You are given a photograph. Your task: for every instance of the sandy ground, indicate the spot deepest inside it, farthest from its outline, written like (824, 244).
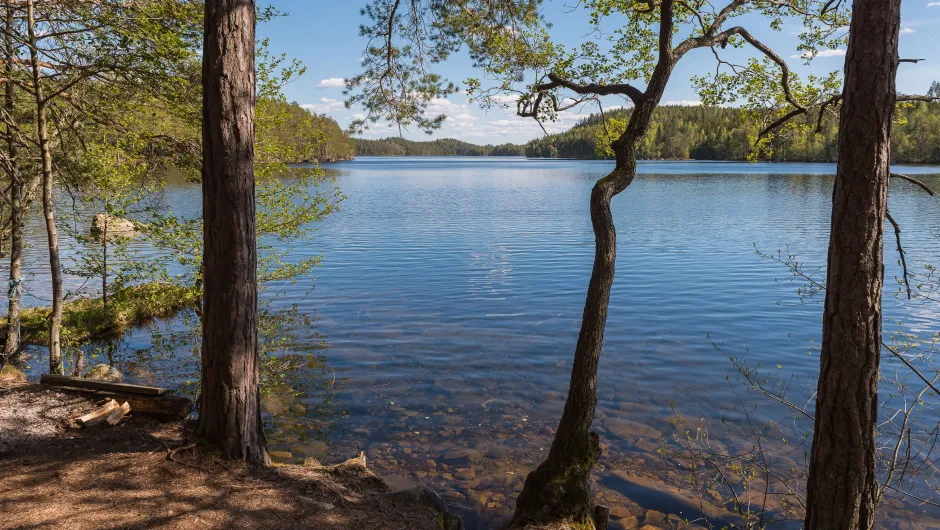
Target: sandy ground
(140, 474)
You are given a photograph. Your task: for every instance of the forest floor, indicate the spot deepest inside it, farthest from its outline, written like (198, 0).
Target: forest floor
(144, 474)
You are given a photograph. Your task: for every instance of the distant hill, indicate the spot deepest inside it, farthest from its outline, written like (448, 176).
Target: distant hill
(393, 146)
(301, 136)
(710, 133)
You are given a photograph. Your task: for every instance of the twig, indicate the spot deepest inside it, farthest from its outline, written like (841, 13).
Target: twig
(172, 453)
(911, 366)
(897, 236)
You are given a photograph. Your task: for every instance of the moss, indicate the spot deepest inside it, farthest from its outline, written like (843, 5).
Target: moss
(87, 319)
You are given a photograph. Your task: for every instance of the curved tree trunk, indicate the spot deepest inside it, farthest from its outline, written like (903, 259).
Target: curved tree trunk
(842, 487)
(55, 318)
(229, 406)
(559, 489)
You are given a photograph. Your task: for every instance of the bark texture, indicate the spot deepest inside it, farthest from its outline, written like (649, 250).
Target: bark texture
(18, 201)
(229, 406)
(842, 487)
(56, 365)
(559, 489)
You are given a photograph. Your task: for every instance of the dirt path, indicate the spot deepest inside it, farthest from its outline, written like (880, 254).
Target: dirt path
(139, 475)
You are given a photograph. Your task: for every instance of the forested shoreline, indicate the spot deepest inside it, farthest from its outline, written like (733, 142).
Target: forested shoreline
(691, 133)
(442, 147)
(721, 133)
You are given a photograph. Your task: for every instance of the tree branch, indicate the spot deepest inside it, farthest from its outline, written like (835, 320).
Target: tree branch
(625, 89)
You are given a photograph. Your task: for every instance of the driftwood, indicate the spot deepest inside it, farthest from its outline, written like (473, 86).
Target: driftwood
(80, 382)
(118, 414)
(161, 405)
(97, 415)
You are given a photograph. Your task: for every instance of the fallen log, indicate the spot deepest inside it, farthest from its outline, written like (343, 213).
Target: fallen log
(80, 382)
(118, 414)
(162, 407)
(96, 416)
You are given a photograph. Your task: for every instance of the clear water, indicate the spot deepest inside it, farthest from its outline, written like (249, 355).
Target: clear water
(450, 298)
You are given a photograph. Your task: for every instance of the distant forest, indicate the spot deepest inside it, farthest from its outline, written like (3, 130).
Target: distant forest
(711, 133)
(444, 147)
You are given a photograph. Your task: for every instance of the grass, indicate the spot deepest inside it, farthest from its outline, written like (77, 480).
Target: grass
(10, 374)
(87, 319)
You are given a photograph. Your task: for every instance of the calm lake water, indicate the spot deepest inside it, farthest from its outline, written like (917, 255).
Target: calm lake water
(449, 301)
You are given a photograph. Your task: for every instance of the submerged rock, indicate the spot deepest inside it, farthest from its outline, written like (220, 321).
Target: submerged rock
(461, 455)
(103, 372)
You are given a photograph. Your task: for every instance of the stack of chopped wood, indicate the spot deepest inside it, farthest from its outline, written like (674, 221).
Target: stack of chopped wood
(110, 414)
(149, 401)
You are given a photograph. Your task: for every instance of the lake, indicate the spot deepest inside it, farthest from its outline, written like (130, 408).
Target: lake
(449, 300)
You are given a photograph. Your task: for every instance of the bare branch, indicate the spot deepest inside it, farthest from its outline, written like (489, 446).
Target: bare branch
(897, 235)
(914, 181)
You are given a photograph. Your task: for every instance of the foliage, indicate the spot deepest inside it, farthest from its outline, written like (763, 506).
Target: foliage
(443, 147)
(290, 201)
(113, 184)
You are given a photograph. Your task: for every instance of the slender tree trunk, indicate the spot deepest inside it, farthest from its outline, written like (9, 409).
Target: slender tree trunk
(104, 262)
(229, 406)
(55, 318)
(842, 487)
(558, 490)
(11, 345)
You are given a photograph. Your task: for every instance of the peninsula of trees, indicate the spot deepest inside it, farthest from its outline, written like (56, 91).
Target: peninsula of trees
(443, 147)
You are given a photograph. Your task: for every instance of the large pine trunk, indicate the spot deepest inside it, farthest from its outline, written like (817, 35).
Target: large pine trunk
(842, 487)
(56, 365)
(229, 405)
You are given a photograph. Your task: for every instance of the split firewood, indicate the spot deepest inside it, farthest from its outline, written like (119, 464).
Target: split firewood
(118, 414)
(96, 416)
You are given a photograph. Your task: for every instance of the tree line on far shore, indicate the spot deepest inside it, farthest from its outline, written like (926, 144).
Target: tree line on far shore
(722, 133)
(691, 133)
(443, 147)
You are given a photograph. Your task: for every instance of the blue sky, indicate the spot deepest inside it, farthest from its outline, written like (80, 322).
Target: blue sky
(323, 34)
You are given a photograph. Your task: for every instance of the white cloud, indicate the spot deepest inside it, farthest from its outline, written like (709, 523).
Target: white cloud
(324, 106)
(505, 99)
(359, 116)
(933, 4)
(822, 53)
(908, 31)
(465, 116)
(333, 82)
(683, 103)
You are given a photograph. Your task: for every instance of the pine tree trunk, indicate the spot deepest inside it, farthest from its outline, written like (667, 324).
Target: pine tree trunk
(842, 487)
(11, 345)
(229, 406)
(55, 318)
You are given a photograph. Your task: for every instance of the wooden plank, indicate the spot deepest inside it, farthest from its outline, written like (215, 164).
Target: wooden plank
(80, 382)
(118, 414)
(97, 415)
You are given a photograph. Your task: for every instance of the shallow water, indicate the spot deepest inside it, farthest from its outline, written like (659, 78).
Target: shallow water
(450, 298)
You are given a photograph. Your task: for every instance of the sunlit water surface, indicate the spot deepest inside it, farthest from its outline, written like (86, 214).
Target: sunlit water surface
(450, 296)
